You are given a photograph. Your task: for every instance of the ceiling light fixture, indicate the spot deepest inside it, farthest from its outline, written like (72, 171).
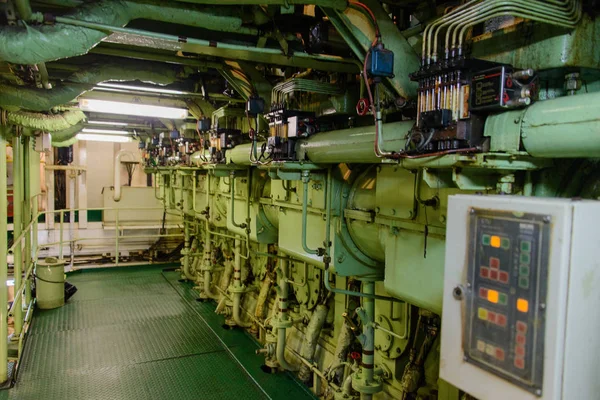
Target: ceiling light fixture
(139, 88)
(103, 138)
(140, 110)
(105, 131)
(108, 123)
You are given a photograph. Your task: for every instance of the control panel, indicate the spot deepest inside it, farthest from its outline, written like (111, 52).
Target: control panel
(507, 272)
(521, 293)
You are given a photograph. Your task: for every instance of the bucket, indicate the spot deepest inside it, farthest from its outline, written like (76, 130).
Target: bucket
(50, 283)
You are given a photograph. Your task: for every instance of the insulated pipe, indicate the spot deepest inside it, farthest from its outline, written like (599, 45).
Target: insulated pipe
(45, 122)
(3, 263)
(284, 266)
(117, 173)
(311, 339)
(368, 348)
(36, 44)
(336, 4)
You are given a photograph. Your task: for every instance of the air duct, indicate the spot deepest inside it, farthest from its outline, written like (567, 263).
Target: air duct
(35, 44)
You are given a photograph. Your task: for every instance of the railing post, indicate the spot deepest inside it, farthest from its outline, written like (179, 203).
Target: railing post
(60, 246)
(17, 229)
(3, 266)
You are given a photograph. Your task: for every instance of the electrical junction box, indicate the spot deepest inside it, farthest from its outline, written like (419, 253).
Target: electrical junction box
(381, 62)
(521, 297)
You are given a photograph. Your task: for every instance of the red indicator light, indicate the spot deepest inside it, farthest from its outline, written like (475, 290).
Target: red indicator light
(501, 319)
(500, 354)
(483, 292)
(503, 276)
(494, 274)
(520, 351)
(484, 272)
(519, 363)
(520, 339)
(521, 327)
(494, 262)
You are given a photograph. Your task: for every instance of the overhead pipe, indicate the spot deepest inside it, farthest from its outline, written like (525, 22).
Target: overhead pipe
(45, 122)
(335, 4)
(36, 44)
(117, 173)
(13, 96)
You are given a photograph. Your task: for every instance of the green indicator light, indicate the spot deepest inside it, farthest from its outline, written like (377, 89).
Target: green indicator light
(485, 239)
(524, 282)
(525, 246)
(525, 259)
(505, 243)
(524, 270)
(503, 299)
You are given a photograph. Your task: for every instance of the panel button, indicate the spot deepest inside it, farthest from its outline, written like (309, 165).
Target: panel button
(505, 243)
(490, 350)
(503, 299)
(519, 363)
(492, 296)
(501, 320)
(481, 346)
(499, 354)
(522, 327)
(521, 339)
(485, 239)
(494, 274)
(524, 270)
(483, 292)
(503, 276)
(524, 282)
(525, 246)
(491, 317)
(482, 313)
(494, 262)
(495, 241)
(522, 305)
(484, 272)
(520, 351)
(525, 258)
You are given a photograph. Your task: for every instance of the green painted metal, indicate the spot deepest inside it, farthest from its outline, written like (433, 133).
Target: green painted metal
(3, 261)
(337, 4)
(50, 283)
(45, 122)
(18, 194)
(33, 45)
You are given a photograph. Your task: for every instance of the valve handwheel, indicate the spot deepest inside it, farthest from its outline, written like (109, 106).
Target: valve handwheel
(363, 106)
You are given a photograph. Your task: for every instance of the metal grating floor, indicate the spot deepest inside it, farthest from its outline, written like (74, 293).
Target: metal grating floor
(137, 333)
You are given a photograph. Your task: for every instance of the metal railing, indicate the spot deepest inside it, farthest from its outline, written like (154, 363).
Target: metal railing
(26, 249)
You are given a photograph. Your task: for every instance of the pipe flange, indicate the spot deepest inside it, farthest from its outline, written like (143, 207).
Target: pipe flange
(279, 324)
(241, 289)
(362, 386)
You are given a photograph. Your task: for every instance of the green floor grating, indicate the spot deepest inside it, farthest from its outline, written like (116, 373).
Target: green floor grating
(137, 333)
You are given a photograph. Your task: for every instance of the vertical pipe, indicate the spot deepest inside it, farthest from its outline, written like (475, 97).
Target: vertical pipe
(186, 247)
(17, 223)
(117, 233)
(3, 265)
(60, 233)
(27, 201)
(368, 351)
(283, 314)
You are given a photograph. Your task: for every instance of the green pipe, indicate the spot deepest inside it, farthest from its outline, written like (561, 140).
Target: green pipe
(368, 348)
(148, 56)
(336, 4)
(274, 55)
(27, 217)
(45, 122)
(36, 44)
(232, 202)
(3, 264)
(17, 227)
(24, 9)
(326, 277)
(305, 180)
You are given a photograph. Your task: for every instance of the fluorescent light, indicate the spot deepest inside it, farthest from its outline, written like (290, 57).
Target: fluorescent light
(107, 123)
(103, 138)
(140, 110)
(140, 88)
(104, 131)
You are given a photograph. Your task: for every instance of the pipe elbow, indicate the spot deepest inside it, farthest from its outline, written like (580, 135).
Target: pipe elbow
(117, 176)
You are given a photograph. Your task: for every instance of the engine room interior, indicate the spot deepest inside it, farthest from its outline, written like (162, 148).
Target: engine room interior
(299, 199)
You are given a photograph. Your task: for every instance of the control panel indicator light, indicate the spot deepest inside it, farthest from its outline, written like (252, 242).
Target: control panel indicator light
(520, 351)
(503, 299)
(501, 320)
(521, 327)
(505, 243)
(524, 270)
(482, 313)
(484, 272)
(499, 354)
(481, 346)
(520, 339)
(519, 363)
(524, 282)
(492, 296)
(494, 263)
(494, 274)
(491, 317)
(490, 350)
(495, 241)
(525, 258)
(525, 246)
(522, 305)
(503, 276)
(485, 239)
(483, 292)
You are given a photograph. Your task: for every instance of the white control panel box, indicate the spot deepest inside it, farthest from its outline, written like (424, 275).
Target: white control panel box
(521, 316)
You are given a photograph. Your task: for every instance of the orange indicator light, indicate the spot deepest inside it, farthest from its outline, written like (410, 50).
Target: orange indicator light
(522, 305)
(495, 241)
(492, 296)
